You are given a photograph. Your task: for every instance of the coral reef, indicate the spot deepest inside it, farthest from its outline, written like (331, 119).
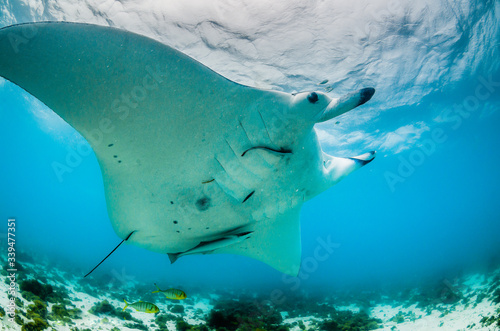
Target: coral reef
(496, 296)
(182, 325)
(177, 309)
(402, 317)
(346, 320)
(59, 312)
(36, 325)
(398, 318)
(162, 319)
(105, 308)
(494, 319)
(138, 326)
(37, 310)
(233, 315)
(33, 289)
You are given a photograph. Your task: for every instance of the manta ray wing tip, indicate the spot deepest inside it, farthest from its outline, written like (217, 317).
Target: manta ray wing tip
(366, 158)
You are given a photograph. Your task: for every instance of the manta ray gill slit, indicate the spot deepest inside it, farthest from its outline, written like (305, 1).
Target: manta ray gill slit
(248, 196)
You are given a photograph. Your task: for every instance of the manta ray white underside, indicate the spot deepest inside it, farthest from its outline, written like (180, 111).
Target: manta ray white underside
(192, 162)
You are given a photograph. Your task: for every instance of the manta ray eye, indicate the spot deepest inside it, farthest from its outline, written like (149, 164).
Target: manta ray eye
(312, 97)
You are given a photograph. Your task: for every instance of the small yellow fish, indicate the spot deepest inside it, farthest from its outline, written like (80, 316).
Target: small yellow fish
(142, 306)
(172, 293)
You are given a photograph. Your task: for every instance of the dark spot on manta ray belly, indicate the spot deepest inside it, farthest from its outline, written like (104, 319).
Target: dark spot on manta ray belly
(175, 222)
(203, 203)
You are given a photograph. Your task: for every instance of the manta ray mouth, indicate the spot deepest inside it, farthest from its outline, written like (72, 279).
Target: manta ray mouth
(281, 151)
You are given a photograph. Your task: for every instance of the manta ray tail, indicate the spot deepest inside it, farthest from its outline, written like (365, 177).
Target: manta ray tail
(109, 255)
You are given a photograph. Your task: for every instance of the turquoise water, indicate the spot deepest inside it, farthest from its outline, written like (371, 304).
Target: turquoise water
(425, 211)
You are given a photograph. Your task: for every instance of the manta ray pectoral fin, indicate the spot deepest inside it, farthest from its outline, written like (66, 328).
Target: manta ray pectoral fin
(342, 105)
(276, 242)
(173, 257)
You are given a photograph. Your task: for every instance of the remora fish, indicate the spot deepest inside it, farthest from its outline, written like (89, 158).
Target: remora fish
(207, 247)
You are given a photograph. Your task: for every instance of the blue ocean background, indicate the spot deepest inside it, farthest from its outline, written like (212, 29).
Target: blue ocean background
(426, 210)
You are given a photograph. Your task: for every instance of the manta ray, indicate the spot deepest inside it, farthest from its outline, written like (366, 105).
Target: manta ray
(191, 162)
